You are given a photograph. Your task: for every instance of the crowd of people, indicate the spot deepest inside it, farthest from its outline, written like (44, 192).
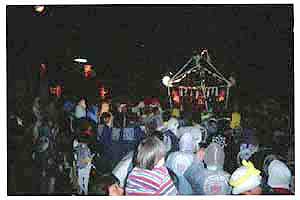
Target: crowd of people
(110, 148)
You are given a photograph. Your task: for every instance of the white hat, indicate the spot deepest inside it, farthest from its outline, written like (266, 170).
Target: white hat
(279, 175)
(245, 178)
(173, 125)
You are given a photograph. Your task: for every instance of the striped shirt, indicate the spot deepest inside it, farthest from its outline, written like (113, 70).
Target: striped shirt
(150, 182)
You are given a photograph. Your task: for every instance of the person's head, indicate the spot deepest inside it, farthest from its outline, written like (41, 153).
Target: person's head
(214, 156)
(106, 117)
(246, 180)
(107, 184)
(150, 153)
(37, 101)
(156, 110)
(82, 102)
(201, 151)
(122, 108)
(85, 131)
(173, 125)
(151, 127)
(175, 113)
(279, 175)
(105, 106)
(158, 134)
(186, 143)
(196, 117)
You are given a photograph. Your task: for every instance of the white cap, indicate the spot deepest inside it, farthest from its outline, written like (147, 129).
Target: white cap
(173, 125)
(245, 178)
(279, 175)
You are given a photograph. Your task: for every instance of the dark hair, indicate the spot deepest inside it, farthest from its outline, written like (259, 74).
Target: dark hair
(155, 109)
(106, 115)
(196, 117)
(150, 151)
(151, 127)
(158, 134)
(203, 145)
(102, 184)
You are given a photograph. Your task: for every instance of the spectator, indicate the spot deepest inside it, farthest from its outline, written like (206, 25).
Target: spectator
(180, 161)
(246, 180)
(171, 140)
(121, 117)
(213, 180)
(149, 176)
(123, 168)
(84, 159)
(36, 108)
(80, 110)
(107, 184)
(279, 178)
(158, 117)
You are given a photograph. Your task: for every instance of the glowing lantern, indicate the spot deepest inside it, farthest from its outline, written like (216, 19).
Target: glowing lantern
(57, 91)
(200, 100)
(176, 97)
(102, 92)
(87, 71)
(39, 9)
(221, 96)
(43, 70)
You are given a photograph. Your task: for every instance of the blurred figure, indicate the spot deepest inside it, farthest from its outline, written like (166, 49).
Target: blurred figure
(36, 108)
(107, 185)
(121, 117)
(84, 158)
(80, 110)
(246, 180)
(157, 116)
(180, 161)
(122, 169)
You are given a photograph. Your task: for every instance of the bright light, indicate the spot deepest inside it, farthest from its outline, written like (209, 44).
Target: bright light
(166, 81)
(80, 60)
(39, 8)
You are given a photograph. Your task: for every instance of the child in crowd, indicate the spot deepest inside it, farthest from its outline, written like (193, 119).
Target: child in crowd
(149, 176)
(83, 157)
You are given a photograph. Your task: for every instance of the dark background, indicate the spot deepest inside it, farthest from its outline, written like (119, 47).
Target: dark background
(132, 47)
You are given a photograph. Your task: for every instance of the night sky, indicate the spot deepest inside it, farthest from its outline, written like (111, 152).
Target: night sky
(132, 47)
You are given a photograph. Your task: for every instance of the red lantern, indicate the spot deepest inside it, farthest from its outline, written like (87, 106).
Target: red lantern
(43, 70)
(176, 97)
(57, 91)
(102, 92)
(87, 70)
(221, 96)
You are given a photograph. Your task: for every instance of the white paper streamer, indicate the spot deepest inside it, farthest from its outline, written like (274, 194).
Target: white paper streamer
(185, 91)
(217, 91)
(197, 94)
(180, 92)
